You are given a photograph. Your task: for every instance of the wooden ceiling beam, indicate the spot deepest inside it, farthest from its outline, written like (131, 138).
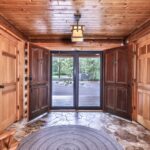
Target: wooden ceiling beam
(67, 37)
(88, 44)
(68, 41)
(5, 25)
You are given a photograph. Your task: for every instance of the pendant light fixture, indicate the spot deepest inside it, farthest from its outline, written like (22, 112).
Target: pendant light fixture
(77, 30)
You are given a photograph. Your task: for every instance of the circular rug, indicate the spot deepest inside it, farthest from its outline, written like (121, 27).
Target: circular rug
(69, 137)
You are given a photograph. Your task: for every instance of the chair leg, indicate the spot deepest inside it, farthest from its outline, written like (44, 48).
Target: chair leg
(7, 141)
(10, 140)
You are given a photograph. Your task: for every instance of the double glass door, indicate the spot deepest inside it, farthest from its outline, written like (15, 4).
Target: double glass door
(76, 80)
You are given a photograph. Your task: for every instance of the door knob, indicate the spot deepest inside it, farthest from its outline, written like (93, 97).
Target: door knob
(2, 86)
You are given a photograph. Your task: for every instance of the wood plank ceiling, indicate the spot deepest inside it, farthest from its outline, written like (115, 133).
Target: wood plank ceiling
(41, 19)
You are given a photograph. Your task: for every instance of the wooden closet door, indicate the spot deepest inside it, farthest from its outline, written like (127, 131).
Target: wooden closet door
(39, 81)
(117, 89)
(8, 81)
(143, 89)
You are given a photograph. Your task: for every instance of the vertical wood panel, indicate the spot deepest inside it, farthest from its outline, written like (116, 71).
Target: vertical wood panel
(122, 99)
(43, 96)
(148, 70)
(140, 103)
(110, 97)
(110, 61)
(122, 67)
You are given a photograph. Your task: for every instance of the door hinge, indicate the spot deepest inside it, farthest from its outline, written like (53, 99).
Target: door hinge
(18, 79)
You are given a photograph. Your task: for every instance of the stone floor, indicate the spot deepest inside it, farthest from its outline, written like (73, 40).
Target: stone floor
(130, 135)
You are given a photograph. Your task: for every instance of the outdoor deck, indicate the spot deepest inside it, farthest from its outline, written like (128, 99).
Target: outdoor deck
(89, 94)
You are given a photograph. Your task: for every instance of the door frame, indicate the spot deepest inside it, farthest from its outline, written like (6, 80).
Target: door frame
(76, 55)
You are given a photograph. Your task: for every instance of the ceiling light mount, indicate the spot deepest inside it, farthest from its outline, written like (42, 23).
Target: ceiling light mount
(77, 17)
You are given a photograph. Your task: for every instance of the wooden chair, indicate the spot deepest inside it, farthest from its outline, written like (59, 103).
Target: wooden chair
(7, 141)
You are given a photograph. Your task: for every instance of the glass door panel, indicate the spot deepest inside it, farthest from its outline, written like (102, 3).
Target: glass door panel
(89, 81)
(62, 81)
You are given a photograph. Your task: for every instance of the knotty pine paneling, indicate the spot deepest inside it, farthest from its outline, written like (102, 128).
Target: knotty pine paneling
(106, 18)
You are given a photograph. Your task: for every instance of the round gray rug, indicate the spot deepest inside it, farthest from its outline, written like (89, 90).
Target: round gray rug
(70, 137)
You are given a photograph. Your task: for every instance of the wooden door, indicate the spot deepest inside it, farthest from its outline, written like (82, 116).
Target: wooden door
(8, 81)
(143, 87)
(39, 81)
(117, 89)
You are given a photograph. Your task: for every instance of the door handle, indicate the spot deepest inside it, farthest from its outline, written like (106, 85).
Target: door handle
(2, 86)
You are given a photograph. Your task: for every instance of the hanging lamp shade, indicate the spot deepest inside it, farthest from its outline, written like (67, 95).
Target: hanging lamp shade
(77, 30)
(77, 33)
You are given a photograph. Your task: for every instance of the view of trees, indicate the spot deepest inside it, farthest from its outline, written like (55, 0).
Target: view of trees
(62, 66)
(89, 68)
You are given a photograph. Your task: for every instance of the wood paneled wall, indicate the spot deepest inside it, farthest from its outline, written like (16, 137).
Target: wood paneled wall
(143, 81)
(140, 45)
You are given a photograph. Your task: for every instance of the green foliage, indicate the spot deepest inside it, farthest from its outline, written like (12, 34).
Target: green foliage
(63, 66)
(91, 67)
